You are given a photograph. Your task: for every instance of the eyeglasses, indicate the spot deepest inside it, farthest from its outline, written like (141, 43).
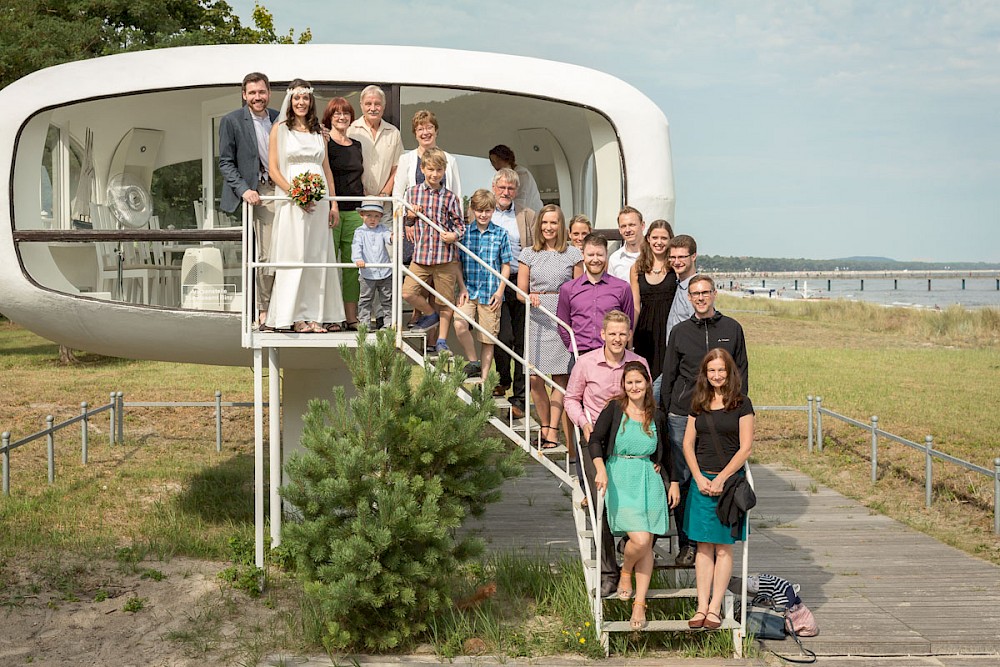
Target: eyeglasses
(677, 258)
(343, 114)
(701, 295)
(505, 188)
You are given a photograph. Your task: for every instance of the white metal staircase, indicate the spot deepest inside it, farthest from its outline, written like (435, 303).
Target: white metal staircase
(524, 435)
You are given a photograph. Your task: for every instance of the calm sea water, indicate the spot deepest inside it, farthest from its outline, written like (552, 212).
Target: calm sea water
(944, 292)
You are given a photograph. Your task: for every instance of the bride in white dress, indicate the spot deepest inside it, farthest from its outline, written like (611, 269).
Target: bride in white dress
(307, 300)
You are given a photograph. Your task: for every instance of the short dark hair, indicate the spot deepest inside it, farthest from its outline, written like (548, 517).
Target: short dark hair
(595, 239)
(683, 241)
(253, 77)
(504, 153)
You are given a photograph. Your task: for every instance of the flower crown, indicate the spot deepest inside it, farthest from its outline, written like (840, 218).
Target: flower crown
(300, 91)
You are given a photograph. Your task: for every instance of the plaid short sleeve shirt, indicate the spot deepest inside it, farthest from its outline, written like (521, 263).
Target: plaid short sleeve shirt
(493, 247)
(443, 207)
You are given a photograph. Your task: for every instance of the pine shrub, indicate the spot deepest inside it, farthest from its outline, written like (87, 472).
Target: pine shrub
(385, 480)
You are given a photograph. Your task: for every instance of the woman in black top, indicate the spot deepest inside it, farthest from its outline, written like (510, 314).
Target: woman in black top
(653, 286)
(347, 166)
(717, 443)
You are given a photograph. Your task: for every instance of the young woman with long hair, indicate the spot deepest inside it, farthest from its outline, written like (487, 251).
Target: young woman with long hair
(632, 459)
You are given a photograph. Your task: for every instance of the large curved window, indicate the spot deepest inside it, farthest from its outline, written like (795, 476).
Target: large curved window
(164, 146)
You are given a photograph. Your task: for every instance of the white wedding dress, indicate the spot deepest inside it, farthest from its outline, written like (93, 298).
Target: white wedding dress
(311, 295)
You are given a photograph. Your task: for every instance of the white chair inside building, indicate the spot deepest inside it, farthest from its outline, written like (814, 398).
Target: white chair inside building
(203, 285)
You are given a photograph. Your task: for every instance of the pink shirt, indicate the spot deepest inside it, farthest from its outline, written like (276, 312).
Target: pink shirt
(593, 383)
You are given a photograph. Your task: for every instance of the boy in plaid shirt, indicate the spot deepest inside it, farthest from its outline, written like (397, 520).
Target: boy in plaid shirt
(481, 295)
(435, 259)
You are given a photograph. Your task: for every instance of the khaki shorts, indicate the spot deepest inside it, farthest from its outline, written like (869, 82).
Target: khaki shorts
(442, 277)
(484, 317)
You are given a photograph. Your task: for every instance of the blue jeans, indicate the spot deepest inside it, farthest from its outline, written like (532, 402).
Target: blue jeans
(676, 425)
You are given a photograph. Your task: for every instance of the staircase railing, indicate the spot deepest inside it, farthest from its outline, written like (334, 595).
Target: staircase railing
(588, 546)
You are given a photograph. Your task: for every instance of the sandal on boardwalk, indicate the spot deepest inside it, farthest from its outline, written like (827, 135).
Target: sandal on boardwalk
(625, 594)
(709, 624)
(638, 623)
(349, 326)
(301, 327)
(333, 327)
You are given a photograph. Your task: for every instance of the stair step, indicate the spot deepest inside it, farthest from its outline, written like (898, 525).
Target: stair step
(664, 626)
(666, 594)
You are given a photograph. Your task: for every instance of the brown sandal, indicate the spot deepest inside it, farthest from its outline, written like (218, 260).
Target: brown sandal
(695, 622)
(709, 624)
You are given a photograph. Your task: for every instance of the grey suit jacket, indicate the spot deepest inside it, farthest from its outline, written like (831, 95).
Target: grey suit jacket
(238, 159)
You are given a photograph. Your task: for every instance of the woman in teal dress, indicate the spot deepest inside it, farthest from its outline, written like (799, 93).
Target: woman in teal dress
(717, 442)
(631, 435)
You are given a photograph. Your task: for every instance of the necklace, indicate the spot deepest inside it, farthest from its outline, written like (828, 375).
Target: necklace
(657, 270)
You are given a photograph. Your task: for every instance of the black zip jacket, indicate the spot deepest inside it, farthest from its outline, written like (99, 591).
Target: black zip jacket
(689, 342)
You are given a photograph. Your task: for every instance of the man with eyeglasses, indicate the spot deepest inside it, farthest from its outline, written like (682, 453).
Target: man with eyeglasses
(517, 222)
(689, 341)
(682, 254)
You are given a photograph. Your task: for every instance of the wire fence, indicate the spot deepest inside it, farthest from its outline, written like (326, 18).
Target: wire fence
(813, 408)
(116, 432)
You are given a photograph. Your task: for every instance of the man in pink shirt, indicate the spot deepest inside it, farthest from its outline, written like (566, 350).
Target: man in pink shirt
(596, 378)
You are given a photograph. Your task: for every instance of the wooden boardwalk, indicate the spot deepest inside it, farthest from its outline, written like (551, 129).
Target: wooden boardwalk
(876, 587)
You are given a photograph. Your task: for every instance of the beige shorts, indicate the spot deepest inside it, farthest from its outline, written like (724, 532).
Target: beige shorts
(442, 277)
(486, 318)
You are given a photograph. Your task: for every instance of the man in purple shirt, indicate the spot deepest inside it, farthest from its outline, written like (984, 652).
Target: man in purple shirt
(596, 378)
(583, 301)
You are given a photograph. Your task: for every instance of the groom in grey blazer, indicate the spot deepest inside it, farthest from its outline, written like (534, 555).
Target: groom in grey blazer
(243, 160)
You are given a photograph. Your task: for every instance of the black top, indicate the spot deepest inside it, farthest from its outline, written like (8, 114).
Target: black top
(689, 341)
(602, 439)
(347, 165)
(727, 426)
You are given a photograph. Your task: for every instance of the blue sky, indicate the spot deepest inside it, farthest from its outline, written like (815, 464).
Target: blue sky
(799, 129)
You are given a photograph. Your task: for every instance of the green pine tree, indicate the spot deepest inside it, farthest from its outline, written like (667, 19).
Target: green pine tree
(385, 481)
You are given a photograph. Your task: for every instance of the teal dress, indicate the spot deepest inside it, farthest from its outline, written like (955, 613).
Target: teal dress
(636, 500)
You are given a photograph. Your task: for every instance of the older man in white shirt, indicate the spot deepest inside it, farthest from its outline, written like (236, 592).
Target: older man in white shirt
(381, 145)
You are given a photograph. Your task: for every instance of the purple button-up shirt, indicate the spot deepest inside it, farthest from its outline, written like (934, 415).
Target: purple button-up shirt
(583, 304)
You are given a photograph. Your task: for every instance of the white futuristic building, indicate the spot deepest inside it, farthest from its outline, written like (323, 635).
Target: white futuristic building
(127, 146)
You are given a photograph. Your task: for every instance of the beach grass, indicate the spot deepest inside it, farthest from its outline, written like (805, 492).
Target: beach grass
(165, 492)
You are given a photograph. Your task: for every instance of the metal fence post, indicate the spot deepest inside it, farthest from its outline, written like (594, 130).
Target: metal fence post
(121, 417)
(928, 470)
(112, 430)
(5, 437)
(819, 423)
(874, 449)
(218, 421)
(996, 496)
(809, 404)
(51, 448)
(83, 433)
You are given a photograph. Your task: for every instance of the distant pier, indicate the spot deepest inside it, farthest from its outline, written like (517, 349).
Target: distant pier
(750, 279)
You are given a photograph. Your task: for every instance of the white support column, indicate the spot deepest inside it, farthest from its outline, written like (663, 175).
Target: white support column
(258, 457)
(274, 437)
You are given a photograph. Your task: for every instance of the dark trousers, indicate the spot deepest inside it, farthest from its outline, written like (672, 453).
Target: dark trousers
(511, 335)
(676, 424)
(609, 560)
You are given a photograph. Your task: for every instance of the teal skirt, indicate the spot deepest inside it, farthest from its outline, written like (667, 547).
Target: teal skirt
(701, 523)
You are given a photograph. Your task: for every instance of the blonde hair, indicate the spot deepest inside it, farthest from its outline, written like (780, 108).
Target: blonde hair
(424, 116)
(434, 157)
(562, 235)
(482, 200)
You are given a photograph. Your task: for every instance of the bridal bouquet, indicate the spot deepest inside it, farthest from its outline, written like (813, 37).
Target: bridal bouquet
(306, 188)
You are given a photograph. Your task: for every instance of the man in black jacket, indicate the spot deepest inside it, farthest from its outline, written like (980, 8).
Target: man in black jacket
(689, 342)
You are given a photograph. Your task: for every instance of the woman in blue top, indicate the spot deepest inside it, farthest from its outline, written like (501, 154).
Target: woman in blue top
(717, 443)
(631, 435)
